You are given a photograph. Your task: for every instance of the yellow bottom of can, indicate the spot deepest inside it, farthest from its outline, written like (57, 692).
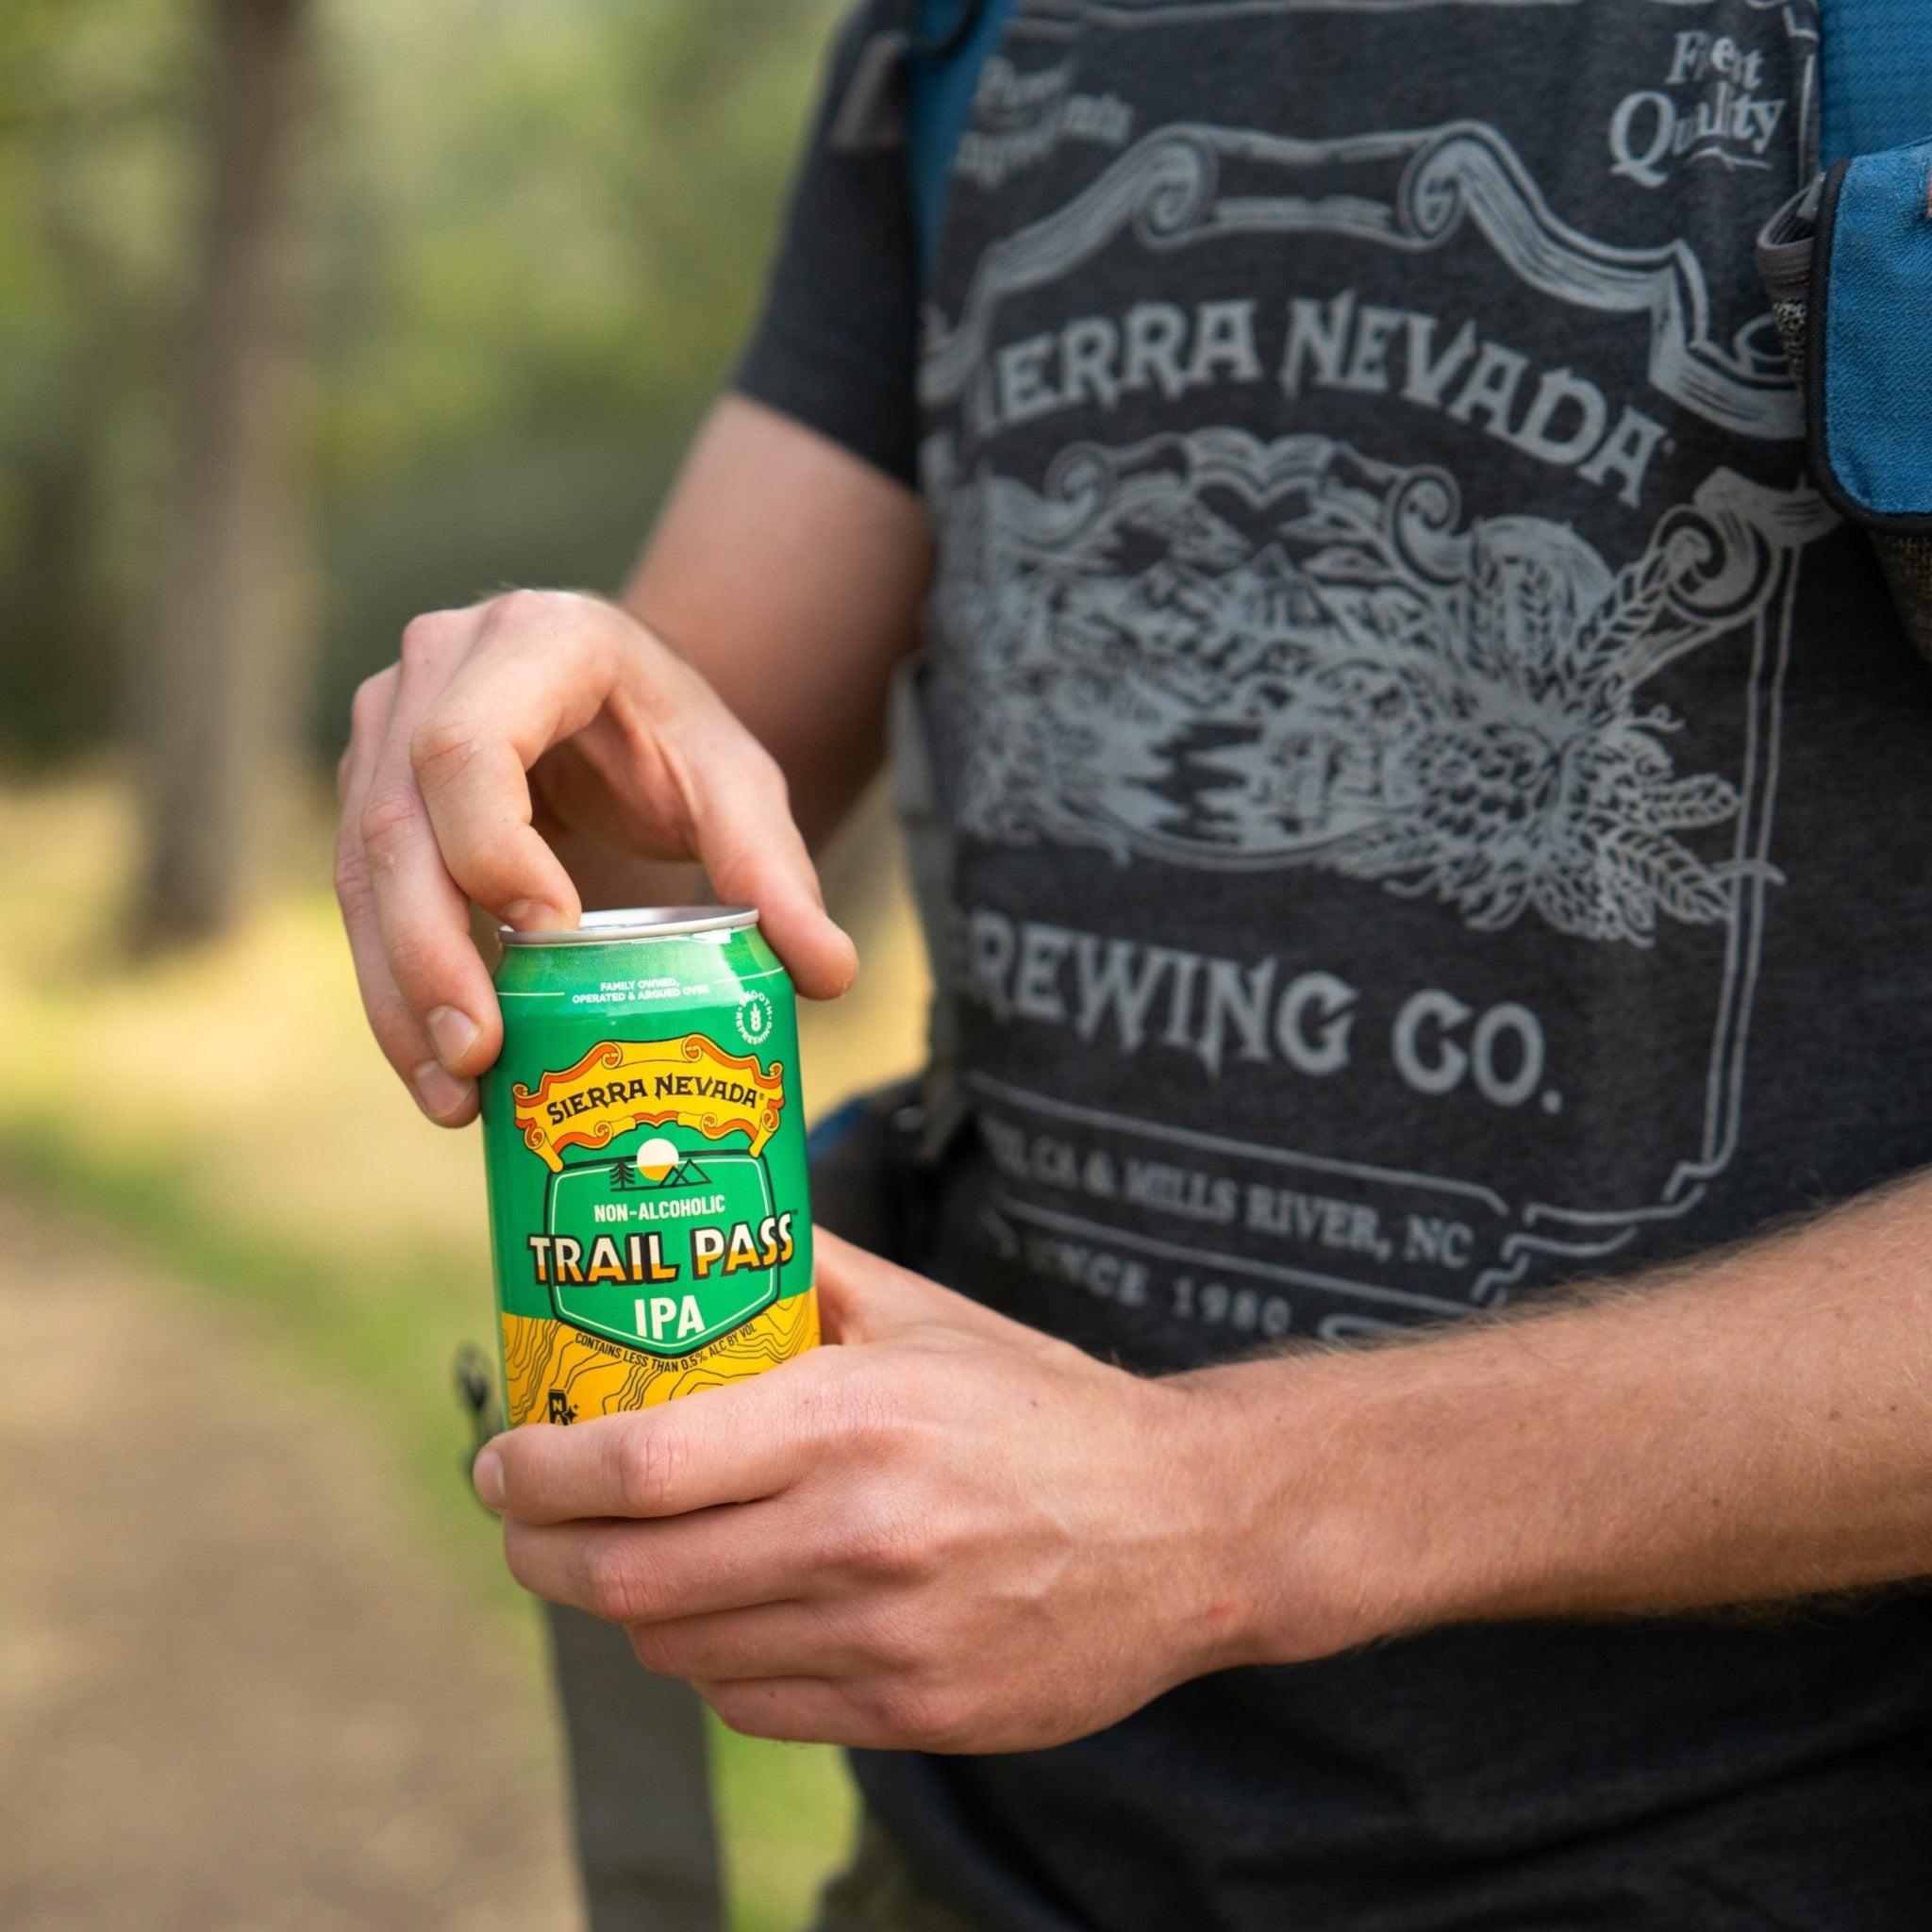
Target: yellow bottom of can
(556, 1374)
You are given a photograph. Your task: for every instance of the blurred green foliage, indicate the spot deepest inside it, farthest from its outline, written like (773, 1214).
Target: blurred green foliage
(532, 233)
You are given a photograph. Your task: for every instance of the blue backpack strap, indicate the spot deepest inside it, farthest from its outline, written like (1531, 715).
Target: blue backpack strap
(951, 42)
(1875, 75)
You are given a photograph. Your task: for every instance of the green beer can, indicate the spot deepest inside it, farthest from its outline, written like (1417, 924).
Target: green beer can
(644, 1142)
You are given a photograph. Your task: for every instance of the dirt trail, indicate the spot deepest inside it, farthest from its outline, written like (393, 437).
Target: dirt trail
(231, 1695)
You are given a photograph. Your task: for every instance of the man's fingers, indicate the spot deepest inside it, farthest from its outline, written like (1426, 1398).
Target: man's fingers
(696, 783)
(541, 671)
(681, 1565)
(754, 855)
(397, 1030)
(797, 1710)
(422, 919)
(542, 668)
(426, 941)
(449, 1101)
(766, 1639)
(437, 811)
(727, 1445)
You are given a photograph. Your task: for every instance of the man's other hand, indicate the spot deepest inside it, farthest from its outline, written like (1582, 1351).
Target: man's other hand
(949, 1533)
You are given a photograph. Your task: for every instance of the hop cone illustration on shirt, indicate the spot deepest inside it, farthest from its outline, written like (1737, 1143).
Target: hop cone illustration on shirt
(1530, 777)
(1359, 684)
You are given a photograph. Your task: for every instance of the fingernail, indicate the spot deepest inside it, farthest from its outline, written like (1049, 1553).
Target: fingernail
(487, 1474)
(442, 1094)
(534, 915)
(452, 1032)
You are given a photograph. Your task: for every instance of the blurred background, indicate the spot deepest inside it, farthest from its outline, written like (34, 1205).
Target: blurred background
(314, 315)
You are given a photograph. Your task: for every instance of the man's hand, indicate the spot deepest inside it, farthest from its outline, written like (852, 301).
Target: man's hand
(543, 747)
(536, 713)
(955, 1534)
(949, 1533)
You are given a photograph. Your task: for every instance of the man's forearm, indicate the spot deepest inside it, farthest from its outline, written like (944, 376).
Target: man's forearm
(1754, 1429)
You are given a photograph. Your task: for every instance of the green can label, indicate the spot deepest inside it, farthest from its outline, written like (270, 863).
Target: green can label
(647, 1164)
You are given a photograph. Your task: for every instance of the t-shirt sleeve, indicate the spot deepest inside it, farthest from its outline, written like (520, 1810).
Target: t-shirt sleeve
(834, 346)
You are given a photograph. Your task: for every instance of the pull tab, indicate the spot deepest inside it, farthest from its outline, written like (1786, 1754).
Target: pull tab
(478, 1394)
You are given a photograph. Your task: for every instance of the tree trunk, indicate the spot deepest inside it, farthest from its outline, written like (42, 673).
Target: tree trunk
(217, 678)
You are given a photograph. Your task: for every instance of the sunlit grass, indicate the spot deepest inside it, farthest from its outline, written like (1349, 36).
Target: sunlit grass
(226, 1110)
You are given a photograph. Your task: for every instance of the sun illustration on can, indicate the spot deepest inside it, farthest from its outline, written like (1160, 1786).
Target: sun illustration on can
(655, 1160)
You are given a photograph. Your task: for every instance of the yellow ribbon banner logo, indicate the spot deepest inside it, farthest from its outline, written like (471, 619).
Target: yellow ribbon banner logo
(647, 1083)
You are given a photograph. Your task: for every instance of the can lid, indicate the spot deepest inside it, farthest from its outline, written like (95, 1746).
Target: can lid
(639, 923)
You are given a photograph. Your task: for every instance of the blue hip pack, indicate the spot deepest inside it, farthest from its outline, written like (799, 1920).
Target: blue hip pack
(1848, 265)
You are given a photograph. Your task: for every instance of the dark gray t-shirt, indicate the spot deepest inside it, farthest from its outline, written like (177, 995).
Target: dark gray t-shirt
(1435, 802)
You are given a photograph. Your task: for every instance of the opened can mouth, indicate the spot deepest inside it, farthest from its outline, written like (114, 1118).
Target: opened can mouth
(638, 922)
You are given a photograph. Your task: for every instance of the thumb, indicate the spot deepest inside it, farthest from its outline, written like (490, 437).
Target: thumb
(864, 1299)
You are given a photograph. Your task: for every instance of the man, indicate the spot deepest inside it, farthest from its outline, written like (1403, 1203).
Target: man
(1430, 804)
